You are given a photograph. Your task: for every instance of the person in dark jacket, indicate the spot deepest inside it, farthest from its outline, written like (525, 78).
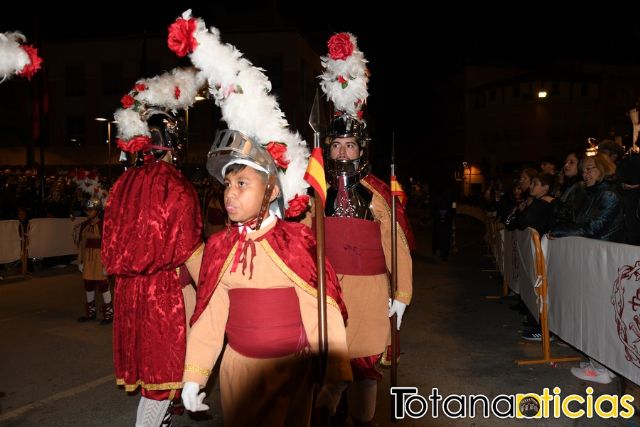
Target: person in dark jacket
(537, 211)
(601, 216)
(571, 196)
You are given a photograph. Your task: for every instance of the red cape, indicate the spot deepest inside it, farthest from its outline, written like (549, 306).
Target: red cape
(292, 242)
(401, 216)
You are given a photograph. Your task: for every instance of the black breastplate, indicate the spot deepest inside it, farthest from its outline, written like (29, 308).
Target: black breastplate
(357, 203)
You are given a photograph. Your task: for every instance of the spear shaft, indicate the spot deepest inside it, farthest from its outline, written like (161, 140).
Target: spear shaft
(394, 276)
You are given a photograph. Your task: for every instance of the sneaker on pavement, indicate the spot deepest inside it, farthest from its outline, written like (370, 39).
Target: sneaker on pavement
(534, 335)
(591, 374)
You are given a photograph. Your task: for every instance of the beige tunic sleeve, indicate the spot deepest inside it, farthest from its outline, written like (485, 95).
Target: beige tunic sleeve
(405, 275)
(206, 339)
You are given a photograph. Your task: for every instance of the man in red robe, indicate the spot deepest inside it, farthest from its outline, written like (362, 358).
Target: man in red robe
(152, 228)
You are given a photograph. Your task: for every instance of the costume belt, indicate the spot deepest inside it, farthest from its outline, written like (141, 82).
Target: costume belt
(265, 323)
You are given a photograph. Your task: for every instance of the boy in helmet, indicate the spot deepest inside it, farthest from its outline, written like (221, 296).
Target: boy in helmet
(258, 288)
(90, 263)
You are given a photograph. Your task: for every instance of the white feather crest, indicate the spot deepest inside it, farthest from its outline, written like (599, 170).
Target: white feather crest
(344, 81)
(243, 93)
(12, 57)
(159, 91)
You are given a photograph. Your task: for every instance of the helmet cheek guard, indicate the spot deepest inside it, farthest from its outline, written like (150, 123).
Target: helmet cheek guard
(346, 126)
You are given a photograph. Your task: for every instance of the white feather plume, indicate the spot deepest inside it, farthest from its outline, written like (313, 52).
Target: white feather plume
(160, 91)
(12, 57)
(243, 93)
(351, 97)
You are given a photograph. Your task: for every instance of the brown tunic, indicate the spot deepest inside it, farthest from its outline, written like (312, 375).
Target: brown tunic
(275, 391)
(88, 253)
(367, 297)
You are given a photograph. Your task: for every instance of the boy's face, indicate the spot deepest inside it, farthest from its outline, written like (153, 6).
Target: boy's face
(91, 213)
(243, 194)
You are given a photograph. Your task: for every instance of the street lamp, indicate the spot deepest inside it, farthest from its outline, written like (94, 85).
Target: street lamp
(102, 119)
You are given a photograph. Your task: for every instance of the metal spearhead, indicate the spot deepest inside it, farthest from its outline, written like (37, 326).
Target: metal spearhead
(315, 119)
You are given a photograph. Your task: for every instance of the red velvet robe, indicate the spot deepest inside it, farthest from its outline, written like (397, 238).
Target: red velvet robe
(152, 225)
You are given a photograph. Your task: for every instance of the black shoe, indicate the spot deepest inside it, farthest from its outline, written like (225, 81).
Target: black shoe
(89, 312)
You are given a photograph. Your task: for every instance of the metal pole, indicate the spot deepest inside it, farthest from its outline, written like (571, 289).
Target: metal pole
(109, 150)
(394, 281)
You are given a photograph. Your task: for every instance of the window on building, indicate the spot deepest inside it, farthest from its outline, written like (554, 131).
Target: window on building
(75, 127)
(112, 78)
(584, 89)
(74, 80)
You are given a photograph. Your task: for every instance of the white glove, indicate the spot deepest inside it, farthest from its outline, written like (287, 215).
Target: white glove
(191, 399)
(80, 267)
(329, 397)
(396, 307)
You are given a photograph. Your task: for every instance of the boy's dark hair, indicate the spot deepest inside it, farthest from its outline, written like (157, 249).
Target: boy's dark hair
(237, 167)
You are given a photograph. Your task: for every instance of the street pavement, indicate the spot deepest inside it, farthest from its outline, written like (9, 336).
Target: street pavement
(55, 371)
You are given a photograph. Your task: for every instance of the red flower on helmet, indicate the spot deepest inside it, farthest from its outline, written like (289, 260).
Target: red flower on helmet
(176, 92)
(297, 206)
(127, 101)
(34, 65)
(181, 39)
(140, 87)
(134, 144)
(340, 46)
(277, 150)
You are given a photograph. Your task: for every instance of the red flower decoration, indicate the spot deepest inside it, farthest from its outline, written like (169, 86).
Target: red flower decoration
(181, 39)
(134, 144)
(340, 46)
(277, 150)
(140, 87)
(127, 101)
(297, 206)
(360, 114)
(176, 92)
(34, 65)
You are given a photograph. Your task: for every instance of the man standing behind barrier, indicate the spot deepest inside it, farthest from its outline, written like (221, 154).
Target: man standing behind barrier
(152, 229)
(358, 227)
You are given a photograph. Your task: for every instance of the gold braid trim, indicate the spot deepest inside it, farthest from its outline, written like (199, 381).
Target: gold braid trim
(232, 252)
(293, 276)
(139, 383)
(403, 294)
(197, 369)
(197, 252)
(388, 208)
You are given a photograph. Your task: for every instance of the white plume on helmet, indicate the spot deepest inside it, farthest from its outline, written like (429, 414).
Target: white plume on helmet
(242, 91)
(345, 80)
(14, 56)
(159, 91)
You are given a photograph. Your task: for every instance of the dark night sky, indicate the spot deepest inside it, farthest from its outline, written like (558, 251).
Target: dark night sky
(411, 53)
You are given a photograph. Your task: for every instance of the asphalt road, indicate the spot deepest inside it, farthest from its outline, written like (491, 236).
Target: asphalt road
(55, 371)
